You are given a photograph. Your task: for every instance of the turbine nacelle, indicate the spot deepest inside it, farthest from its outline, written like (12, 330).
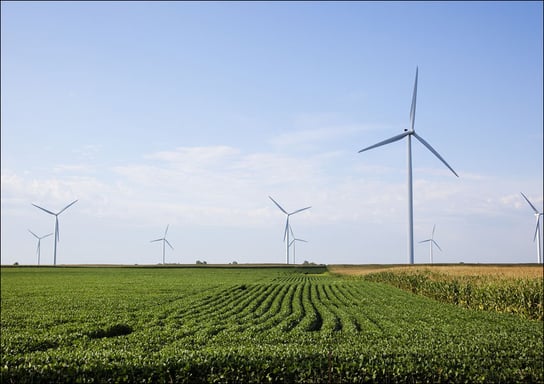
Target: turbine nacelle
(164, 241)
(38, 247)
(57, 236)
(536, 236)
(411, 132)
(287, 226)
(288, 214)
(431, 241)
(293, 243)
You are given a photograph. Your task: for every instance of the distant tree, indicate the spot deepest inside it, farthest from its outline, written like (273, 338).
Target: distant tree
(234, 262)
(16, 263)
(201, 262)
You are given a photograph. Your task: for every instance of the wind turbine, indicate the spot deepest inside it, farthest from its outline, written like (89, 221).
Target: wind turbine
(286, 232)
(537, 229)
(408, 133)
(431, 242)
(39, 242)
(164, 241)
(293, 242)
(57, 238)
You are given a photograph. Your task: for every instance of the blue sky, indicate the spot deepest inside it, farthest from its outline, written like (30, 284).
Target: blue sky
(192, 113)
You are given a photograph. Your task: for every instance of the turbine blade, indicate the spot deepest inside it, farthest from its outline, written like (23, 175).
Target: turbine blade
(291, 230)
(166, 231)
(152, 241)
(68, 206)
(36, 236)
(422, 141)
(425, 241)
(57, 231)
(43, 209)
(438, 246)
(279, 206)
(302, 240)
(432, 236)
(390, 140)
(413, 107)
(537, 228)
(170, 245)
(528, 202)
(299, 210)
(292, 241)
(43, 237)
(286, 228)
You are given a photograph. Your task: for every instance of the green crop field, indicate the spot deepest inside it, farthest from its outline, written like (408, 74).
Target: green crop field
(249, 325)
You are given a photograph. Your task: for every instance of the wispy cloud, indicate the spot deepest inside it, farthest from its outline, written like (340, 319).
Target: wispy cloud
(88, 152)
(309, 131)
(222, 185)
(79, 168)
(201, 156)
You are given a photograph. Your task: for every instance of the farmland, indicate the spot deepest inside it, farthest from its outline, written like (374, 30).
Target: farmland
(232, 325)
(505, 288)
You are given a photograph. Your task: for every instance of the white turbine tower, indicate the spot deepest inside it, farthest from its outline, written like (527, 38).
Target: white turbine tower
(286, 232)
(39, 243)
(431, 241)
(537, 229)
(408, 133)
(57, 238)
(293, 242)
(164, 241)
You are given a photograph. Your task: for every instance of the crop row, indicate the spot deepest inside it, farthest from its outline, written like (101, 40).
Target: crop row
(524, 297)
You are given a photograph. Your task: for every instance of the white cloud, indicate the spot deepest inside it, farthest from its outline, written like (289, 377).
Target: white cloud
(79, 168)
(221, 184)
(316, 135)
(309, 131)
(88, 152)
(195, 156)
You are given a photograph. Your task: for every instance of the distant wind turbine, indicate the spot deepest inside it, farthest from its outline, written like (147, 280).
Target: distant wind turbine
(57, 238)
(286, 232)
(293, 242)
(537, 229)
(164, 241)
(431, 241)
(39, 242)
(409, 133)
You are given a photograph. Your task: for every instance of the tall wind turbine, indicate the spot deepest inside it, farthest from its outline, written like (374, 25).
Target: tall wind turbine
(431, 242)
(537, 229)
(164, 241)
(293, 242)
(286, 232)
(408, 133)
(39, 242)
(57, 238)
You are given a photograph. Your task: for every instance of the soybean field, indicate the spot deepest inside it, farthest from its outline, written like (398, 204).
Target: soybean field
(249, 325)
